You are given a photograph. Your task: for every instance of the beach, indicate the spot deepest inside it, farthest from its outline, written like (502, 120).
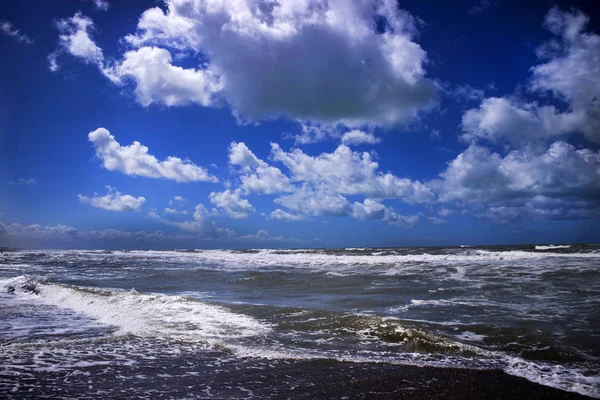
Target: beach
(455, 322)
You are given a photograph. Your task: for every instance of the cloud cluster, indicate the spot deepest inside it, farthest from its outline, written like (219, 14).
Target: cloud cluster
(541, 176)
(114, 201)
(7, 28)
(256, 175)
(570, 75)
(318, 185)
(230, 203)
(136, 161)
(201, 224)
(360, 63)
(480, 176)
(68, 236)
(361, 68)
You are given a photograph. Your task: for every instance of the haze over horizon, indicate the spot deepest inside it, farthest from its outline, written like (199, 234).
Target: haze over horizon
(313, 123)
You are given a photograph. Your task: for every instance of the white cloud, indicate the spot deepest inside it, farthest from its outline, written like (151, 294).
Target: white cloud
(23, 181)
(281, 215)
(70, 237)
(466, 92)
(231, 204)
(7, 28)
(320, 202)
(350, 173)
(536, 180)
(356, 137)
(313, 132)
(572, 70)
(444, 212)
(544, 208)
(256, 175)
(75, 39)
(158, 80)
(177, 200)
(478, 177)
(317, 185)
(52, 62)
(264, 236)
(174, 211)
(32, 235)
(369, 209)
(114, 201)
(437, 221)
(248, 53)
(135, 160)
(201, 224)
(480, 6)
(373, 210)
(570, 75)
(100, 5)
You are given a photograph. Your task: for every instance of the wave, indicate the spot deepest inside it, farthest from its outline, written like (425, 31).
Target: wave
(301, 334)
(553, 247)
(153, 315)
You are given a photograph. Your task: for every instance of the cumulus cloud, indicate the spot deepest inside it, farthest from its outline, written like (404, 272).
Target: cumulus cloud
(356, 137)
(563, 173)
(158, 80)
(572, 70)
(7, 28)
(541, 176)
(320, 202)
(114, 201)
(256, 175)
(318, 185)
(374, 210)
(353, 70)
(231, 204)
(281, 215)
(135, 160)
(350, 173)
(75, 39)
(569, 75)
(201, 224)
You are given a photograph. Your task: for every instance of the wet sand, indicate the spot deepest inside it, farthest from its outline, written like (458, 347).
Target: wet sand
(280, 379)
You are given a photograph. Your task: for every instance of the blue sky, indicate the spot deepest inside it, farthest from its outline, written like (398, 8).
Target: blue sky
(192, 124)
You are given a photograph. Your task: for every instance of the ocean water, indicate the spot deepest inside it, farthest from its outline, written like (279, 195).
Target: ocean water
(126, 317)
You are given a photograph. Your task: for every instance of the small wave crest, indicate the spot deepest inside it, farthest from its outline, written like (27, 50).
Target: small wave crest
(152, 315)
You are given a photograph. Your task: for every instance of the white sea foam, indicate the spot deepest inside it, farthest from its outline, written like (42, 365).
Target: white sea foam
(552, 247)
(580, 379)
(154, 315)
(333, 263)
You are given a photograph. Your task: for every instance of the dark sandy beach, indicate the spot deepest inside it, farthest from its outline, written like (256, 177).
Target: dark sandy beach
(284, 379)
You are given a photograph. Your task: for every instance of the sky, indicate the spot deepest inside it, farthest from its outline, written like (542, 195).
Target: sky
(304, 123)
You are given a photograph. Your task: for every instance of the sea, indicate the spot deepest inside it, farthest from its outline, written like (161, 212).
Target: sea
(256, 323)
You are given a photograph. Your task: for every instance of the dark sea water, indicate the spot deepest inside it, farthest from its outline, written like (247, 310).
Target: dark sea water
(148, 316)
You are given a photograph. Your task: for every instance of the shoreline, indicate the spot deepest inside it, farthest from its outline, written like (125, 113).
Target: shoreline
(280, 379)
